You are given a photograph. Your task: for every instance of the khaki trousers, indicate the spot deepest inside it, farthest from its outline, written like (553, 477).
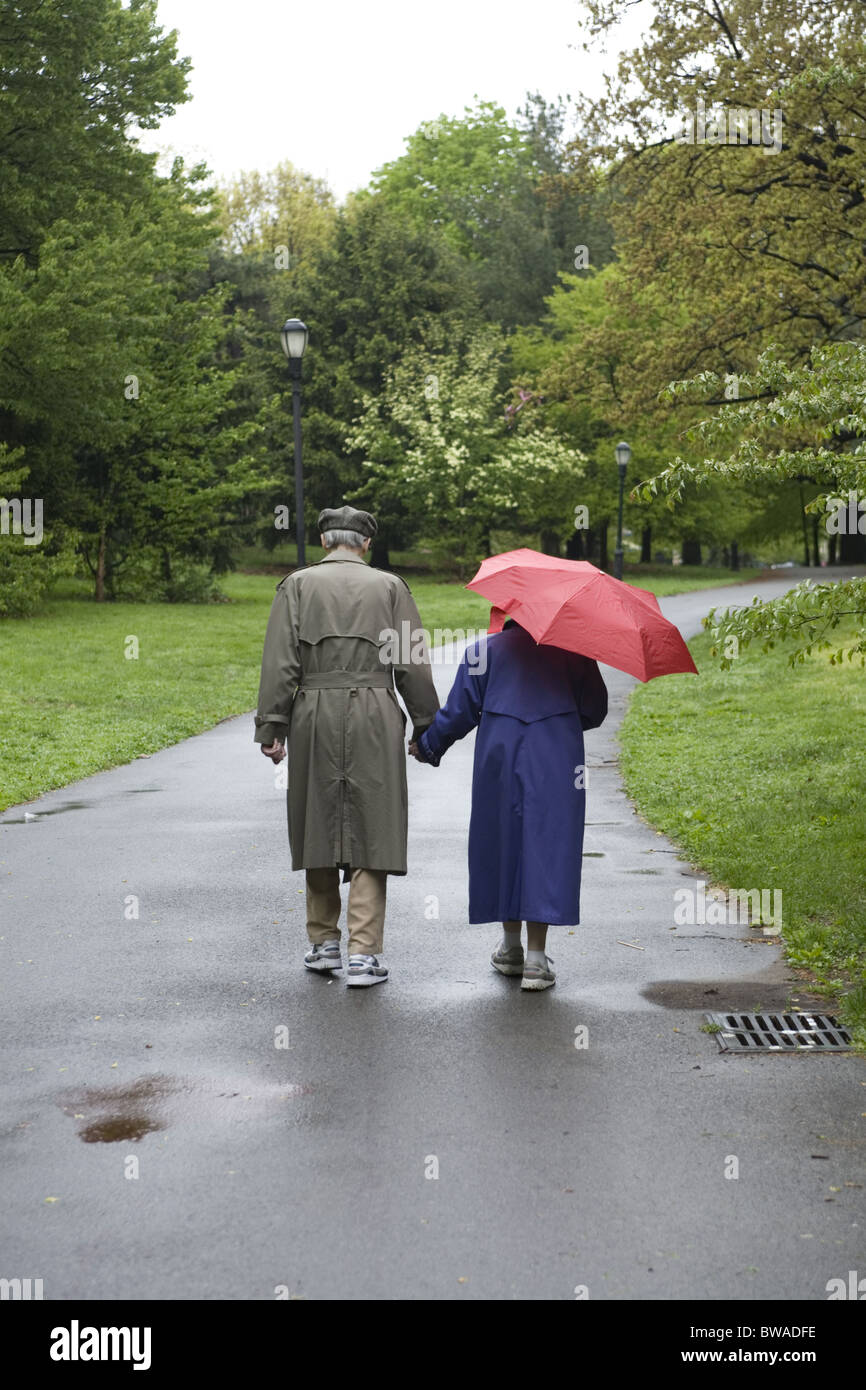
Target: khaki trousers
(365, 913)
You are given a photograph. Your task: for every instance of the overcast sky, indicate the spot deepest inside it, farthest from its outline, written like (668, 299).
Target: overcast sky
(336, 85)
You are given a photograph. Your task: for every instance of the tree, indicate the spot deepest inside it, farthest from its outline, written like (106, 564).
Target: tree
(571, 365)
(285, 210)
(117, 388)
(729, 246)
(114, 388)
(485, 183)
(799, 420)
(381, 287)
(71, 84)
(31, 558)
(436, 440)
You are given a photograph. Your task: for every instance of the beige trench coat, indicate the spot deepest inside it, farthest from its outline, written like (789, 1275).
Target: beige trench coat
(326, 690)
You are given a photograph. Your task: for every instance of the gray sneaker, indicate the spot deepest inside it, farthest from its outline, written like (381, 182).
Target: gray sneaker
(365, 970)
(325, 956)
(508, 962)
(538, 976)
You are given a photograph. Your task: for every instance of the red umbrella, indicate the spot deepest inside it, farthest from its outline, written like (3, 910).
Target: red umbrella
(571, 604)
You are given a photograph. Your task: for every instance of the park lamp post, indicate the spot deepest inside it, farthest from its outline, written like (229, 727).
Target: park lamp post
(293, 336)
(623, 454)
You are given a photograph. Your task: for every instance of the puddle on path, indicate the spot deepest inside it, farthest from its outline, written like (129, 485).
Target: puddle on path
(721, 996)
(124, 1114)
(115, 1129)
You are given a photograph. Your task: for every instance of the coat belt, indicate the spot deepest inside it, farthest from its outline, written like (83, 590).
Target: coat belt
(346, 680)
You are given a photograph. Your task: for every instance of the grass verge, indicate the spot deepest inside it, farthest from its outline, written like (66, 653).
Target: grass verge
(758, 774)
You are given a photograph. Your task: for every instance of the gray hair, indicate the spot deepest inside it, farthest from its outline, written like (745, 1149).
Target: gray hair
(353, 539)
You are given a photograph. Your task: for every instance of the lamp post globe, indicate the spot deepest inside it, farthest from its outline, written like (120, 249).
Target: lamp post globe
(293, 336)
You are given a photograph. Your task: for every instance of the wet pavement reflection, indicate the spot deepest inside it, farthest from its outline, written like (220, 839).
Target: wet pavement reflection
(115, 1114)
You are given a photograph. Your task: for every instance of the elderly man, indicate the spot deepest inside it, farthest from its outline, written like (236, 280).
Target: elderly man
(327, 688)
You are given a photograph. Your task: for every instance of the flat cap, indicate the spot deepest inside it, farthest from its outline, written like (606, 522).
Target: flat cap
(347, 519)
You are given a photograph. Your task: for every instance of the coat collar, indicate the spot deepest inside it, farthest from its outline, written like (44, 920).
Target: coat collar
(342, 555)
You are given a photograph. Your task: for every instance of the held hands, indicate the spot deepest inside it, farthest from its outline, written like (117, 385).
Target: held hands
(277, 751)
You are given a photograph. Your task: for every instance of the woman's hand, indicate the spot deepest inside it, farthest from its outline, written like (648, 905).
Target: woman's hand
(414, 753)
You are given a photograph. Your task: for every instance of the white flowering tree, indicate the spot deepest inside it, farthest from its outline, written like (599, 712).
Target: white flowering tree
(439, 451)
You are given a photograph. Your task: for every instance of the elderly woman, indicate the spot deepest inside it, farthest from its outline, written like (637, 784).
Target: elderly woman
(531, 705)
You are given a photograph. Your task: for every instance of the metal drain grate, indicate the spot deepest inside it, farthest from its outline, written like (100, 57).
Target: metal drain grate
(775, 1032)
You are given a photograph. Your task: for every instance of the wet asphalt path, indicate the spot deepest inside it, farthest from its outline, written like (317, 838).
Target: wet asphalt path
(158, 1143)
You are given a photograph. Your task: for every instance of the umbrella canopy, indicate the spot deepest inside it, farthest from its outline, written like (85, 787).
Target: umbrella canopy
(571, 604)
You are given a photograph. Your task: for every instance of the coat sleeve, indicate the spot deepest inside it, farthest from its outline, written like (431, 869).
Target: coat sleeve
(460, 713)
(412, 675)
(281, 668)
(591, 693)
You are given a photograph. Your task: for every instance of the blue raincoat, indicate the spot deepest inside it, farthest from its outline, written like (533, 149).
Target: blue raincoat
(531, 705)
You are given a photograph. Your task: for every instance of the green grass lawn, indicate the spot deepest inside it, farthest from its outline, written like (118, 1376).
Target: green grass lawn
(758, 774)
(71, 703)
(681, 579)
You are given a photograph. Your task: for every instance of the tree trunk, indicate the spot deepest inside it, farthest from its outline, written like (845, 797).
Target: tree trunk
(805, 529)
(831, 550)
(691, 552)
(646, 545)
(735, 555)
(816, 550)
(574, 547)
(550, 543)
(602, 545)
(99, 593)
(852, 549)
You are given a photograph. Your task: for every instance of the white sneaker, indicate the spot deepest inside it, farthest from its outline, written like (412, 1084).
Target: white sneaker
(508, 960)
(325, 956)
(538, 976)
(365, 970)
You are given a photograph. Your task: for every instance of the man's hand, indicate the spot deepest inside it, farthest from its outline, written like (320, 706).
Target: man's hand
(414, 753)
(276, 752)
